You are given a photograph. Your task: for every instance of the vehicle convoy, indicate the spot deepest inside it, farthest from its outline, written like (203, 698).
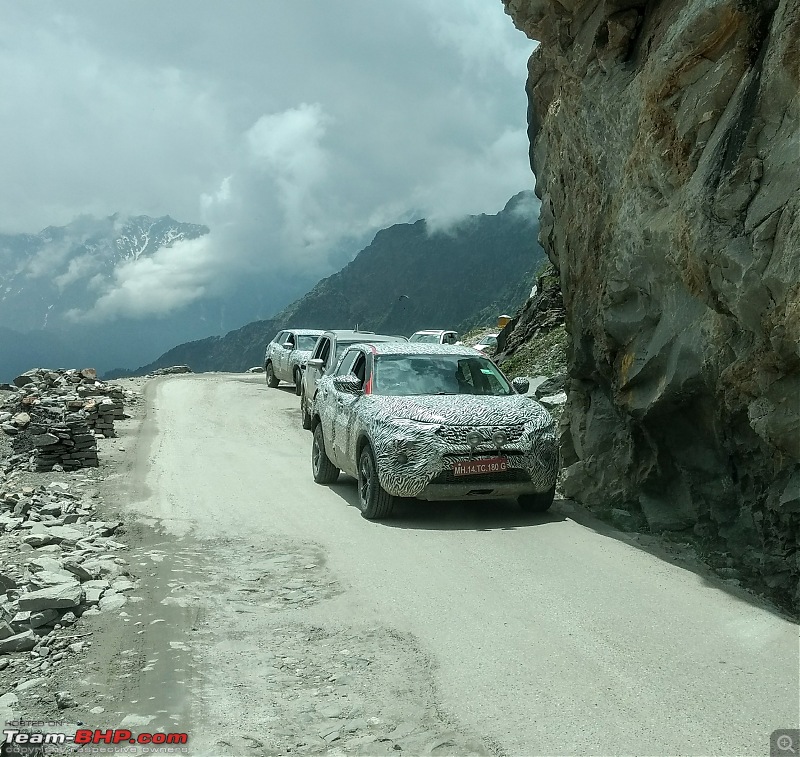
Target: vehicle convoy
(329, 348)
(434, 422)
(435, 336)
(286, 356)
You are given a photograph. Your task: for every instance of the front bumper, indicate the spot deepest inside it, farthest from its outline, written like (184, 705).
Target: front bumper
(476, 490)
(432, 478)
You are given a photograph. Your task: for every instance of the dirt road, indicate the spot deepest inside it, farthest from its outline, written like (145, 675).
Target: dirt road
(275, 619)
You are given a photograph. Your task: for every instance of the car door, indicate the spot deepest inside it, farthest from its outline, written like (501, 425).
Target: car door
(346, 416)
(273, 351)
(342, 408)
(311, 374)
(286, 357)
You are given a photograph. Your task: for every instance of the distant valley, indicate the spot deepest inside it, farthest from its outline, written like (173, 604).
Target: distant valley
(51, 282)
(53, 286)
(407, 279)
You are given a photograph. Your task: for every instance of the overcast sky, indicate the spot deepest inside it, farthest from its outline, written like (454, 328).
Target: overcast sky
(288, 127)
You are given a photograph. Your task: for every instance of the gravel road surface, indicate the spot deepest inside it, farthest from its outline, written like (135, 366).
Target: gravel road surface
(275, 619)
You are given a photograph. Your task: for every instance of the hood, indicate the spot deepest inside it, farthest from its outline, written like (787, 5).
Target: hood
(460, 409)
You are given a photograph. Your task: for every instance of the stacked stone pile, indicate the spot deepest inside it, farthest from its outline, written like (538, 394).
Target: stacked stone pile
(171, 370)
(55, 417)
(100, 415)
(57, 563)
(70, 444)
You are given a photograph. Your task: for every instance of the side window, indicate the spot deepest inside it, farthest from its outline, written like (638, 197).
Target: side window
(325, 351)
(359, 369)
(319, 349)
(466, 382)
(279, 338)
(290, 338)
(346, 363)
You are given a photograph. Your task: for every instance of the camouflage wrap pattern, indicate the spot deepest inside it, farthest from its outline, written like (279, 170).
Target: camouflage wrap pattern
(431, 432)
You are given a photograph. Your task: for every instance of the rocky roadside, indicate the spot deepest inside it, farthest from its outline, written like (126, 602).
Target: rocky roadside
(60, 559)
(114, 625)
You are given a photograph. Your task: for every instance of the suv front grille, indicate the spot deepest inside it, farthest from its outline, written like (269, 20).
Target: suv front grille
(457, 435)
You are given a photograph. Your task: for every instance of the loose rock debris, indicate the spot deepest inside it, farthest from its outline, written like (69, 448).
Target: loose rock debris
(56, 417)
(58, 563)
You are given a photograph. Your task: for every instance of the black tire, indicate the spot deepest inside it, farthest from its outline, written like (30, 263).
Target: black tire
(306, 416)
(298, 381)
(374, 501)
(537, 503)
(325, 472)
(272, 379)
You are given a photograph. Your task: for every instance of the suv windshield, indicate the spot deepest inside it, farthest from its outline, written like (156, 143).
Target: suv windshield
(306, 342)
(425, 338)
(404, 375)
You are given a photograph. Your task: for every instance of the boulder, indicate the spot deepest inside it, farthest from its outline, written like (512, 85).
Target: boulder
(552, 386)
(20, 642)
(56, 597)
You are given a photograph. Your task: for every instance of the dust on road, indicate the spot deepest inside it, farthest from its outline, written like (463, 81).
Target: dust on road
(274, 619)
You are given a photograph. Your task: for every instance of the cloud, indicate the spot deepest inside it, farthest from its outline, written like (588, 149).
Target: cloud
(293, 136)
(484, 38)
(288, 148)
(476, 182)
(157, 285)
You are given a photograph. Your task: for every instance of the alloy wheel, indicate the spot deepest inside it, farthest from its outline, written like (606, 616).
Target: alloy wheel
(365, 485)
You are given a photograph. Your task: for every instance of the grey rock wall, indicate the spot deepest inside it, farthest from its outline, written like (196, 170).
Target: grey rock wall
(665, 139)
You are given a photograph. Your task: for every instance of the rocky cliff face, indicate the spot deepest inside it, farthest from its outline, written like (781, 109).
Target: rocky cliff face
(665, 140)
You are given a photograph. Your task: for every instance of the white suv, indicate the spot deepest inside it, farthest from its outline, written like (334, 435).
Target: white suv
(286, 356)
(435, 336)
(329, 348)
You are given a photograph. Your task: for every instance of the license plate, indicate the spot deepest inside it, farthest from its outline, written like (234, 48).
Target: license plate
(484, 465)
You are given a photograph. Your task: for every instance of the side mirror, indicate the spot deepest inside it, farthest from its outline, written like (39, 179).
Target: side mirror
(348, 384)
(521, 385)
(315, 363)
(288, 346)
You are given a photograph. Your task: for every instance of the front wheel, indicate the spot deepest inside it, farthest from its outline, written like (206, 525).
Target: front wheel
(306, 416)
(272, 379)
(325, 472)
(375, 502)
(298, 381)
(537, 503)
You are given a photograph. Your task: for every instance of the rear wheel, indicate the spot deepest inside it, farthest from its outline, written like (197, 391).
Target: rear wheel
(272, 379)
(537, 503)
(306, 415)
(325, 472)
(298, 381)
(373, 499)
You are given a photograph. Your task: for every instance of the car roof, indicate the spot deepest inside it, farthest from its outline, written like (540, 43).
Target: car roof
(434, 331)
(306, 332)
(415, 348)
(355, 336)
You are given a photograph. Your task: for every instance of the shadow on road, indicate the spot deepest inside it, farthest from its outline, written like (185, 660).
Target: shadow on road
(460, 515)
(679, 551)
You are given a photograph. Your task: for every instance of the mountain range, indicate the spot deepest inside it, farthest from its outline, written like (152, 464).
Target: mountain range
(53, 285)
(409, 278)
